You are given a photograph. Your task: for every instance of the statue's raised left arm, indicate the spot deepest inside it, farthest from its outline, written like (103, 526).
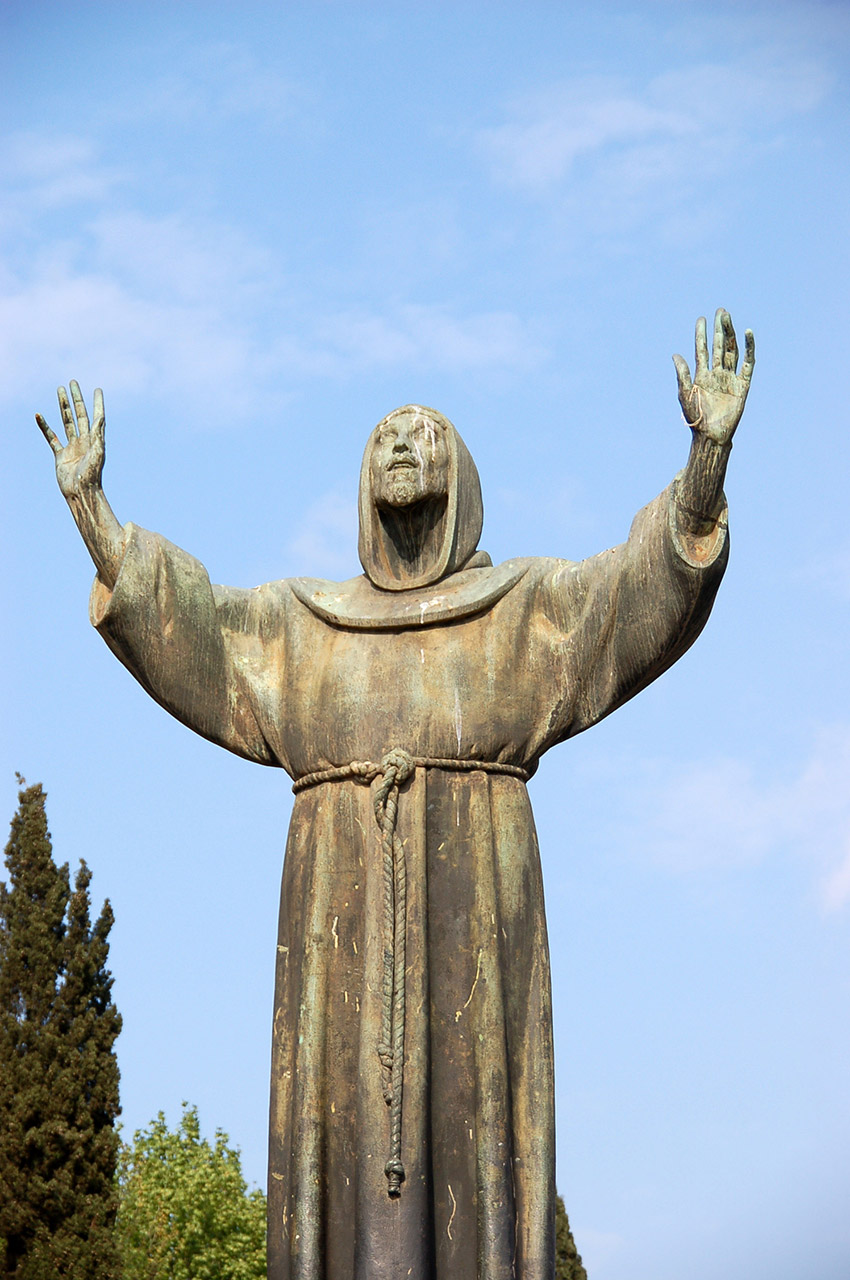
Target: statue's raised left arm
(629, 613)
(712, 402)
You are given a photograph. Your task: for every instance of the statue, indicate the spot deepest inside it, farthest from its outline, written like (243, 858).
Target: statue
(412, 1126)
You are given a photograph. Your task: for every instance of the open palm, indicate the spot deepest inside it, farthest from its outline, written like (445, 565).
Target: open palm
(714, 399)
(79, 463)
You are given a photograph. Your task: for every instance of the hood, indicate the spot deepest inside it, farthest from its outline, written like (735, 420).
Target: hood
(449, 534)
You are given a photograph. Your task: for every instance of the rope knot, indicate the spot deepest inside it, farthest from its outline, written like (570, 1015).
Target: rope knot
(394, 1170)
(399, 763)
(361, 768)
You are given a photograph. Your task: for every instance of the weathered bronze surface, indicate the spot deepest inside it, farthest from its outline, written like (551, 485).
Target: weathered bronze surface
(412, 1130)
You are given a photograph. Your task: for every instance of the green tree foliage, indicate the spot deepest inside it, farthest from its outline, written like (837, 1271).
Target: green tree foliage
(58, 1072)
(567, 1260)
(185, 1211)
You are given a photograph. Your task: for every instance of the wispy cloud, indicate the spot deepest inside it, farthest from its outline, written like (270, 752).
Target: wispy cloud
(43, 173)
(828, 572)
(61, 322)
(545, 134)
(217, 81)
(192, 339)
(194, 311)
(418, 335)
(182, 258)
(321, 547)
(721, 811)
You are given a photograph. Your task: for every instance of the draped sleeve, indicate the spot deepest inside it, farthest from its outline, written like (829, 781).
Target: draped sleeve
(624, 616)
(207, 654)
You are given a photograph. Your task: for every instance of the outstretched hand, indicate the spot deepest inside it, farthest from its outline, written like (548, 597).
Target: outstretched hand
(79, 468)
(79, 463)
(714, 400)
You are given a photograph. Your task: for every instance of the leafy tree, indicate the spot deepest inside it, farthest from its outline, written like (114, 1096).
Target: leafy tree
(567, 1260)
(185, 1212)
(58, 1072)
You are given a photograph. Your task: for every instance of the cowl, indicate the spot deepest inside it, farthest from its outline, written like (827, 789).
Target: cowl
(449, 535)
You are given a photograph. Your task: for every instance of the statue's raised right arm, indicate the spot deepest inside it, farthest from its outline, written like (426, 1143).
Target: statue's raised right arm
(79, 471)
(185, 641)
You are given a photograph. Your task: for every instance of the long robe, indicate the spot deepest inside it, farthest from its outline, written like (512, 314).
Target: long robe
(500, 675)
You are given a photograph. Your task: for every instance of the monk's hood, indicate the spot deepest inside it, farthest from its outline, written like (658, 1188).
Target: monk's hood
(452, 579)
(450, 544)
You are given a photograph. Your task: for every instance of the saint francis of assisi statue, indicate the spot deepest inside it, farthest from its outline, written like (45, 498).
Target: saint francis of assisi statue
(412, 1129)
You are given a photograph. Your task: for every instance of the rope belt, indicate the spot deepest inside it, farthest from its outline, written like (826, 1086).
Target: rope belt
(394, 770)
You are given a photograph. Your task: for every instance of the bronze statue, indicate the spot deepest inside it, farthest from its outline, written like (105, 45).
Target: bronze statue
(412, 1129)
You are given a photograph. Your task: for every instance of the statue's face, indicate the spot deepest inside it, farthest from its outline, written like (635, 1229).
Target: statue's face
(410, 461)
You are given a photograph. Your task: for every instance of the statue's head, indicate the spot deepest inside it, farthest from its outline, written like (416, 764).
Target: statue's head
(420, 500)
(409, 459)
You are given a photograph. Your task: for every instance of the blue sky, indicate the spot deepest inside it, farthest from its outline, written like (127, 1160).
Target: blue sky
(261, 228)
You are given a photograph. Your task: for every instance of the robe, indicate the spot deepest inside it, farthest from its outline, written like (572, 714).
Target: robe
(490, 665)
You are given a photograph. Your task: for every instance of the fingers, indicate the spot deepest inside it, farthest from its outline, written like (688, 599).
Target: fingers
(683, 374)
(701, 345)
(50, 436)
(67, 414)
(724, 347)
(76, 420)
(749, 356)
(687, 391)
(718, 340)
(80, 408)
(99, 419)
(730, 343)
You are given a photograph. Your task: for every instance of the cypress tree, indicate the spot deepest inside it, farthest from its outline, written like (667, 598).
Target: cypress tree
(568, 1265)
(58, 1072)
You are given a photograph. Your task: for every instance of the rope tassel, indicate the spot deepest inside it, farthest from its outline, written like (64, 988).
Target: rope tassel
(394, 770)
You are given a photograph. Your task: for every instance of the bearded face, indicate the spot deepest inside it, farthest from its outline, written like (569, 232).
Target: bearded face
(410, 461)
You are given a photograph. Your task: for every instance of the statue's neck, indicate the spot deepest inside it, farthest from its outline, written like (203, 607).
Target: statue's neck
(414, 535)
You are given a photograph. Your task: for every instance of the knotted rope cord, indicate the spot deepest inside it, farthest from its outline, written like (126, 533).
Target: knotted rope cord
(394, 770)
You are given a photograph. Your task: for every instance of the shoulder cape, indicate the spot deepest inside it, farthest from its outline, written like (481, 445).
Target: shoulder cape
(358, 604)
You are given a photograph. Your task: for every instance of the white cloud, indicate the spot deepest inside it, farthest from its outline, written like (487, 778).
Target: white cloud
(434, 336)
(191, 310)
(217, 81)
(183, 259)
(553, 128)
(673, 124)
(835, 889)
(321, 547)
(829, 572)
(62, 323)
(143, 304)
(719, 811)
(50, 171)
(739, 95)
(205, 350)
